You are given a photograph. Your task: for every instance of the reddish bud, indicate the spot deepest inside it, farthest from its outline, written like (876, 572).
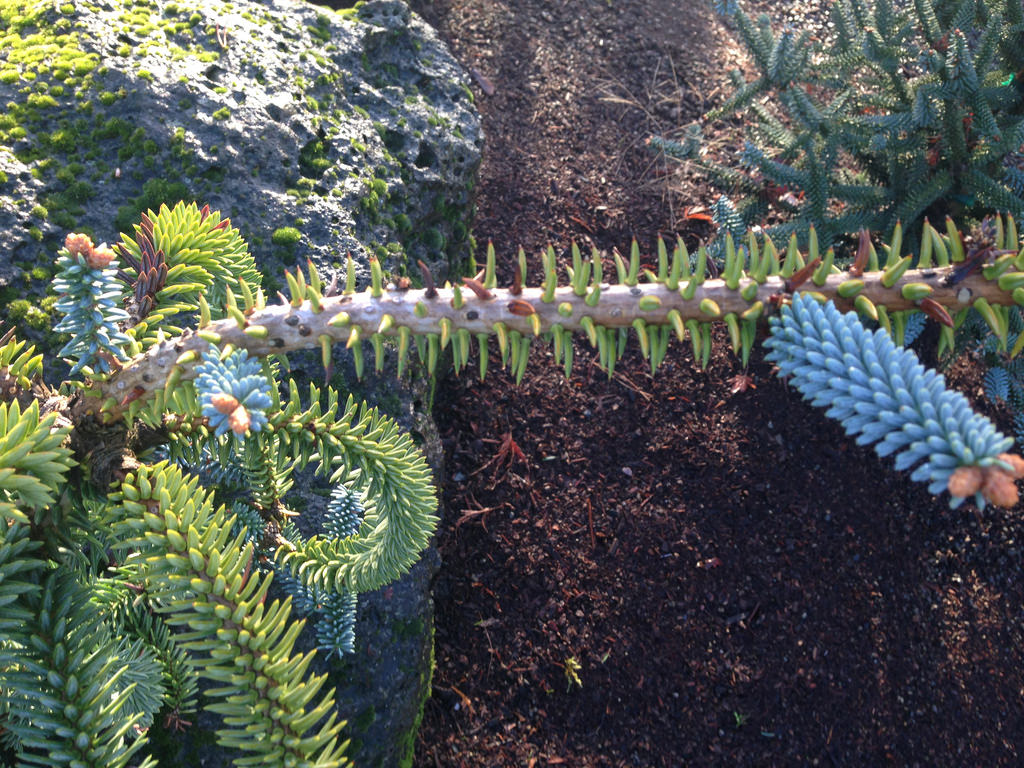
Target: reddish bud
(100, 257)
(78, 244)
(965, 481)
(863, 253)
(239, 421)
(999, 487)
(521, 307)
(935, 311)
(1014, 461)
(223, 402)
(474, 285)
(802, 275)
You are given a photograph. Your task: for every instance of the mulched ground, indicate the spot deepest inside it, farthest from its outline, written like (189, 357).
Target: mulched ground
(738, 583)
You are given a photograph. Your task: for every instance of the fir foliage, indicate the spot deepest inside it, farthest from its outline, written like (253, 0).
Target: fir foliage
(132, 617)
(148, 513)
(333, 612)
(233, 392)
(33, 461)
(62, 677)
(336, 627)
(18, 365)
(177, 255)
(392, 473)
(90, 291)
(181, 549)
(1004, 379)
(881, 394)
(911, 110)
(115, 598)
(723, 213)
(345, 512)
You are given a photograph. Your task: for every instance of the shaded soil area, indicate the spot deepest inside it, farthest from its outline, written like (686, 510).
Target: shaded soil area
(694, 568)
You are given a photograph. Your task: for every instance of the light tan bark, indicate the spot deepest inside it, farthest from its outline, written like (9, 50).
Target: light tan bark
(290, 327)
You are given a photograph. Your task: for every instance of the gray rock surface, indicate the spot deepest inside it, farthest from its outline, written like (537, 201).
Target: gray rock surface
(354, 128)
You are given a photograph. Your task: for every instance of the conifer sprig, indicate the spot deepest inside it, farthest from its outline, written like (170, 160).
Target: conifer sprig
(19, 367)
(203, 579)
(391, 472)
(881, 394)
(87, 282)
(233, 392)
(177, 255)
(680, 299)
(61, 682)
(910, 108)
(33, 460)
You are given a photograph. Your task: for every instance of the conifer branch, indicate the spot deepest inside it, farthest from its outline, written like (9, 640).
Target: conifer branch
(920, 103)
(674, 300)
(61, 681)
(202, 577)
(215, 392)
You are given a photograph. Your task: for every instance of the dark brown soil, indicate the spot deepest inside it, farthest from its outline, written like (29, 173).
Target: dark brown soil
(739, 583)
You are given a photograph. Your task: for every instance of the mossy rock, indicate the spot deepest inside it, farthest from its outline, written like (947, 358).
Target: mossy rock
(268, 112)
(283, 116)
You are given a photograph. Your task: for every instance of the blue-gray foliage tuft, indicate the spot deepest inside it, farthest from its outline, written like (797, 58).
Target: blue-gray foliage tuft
(89, 302)
(881, 393)
(241, 377)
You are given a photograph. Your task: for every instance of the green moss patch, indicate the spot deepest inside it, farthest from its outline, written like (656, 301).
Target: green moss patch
(286, 236)
(313, 160)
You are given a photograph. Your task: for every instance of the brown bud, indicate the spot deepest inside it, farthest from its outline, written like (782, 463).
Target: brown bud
(477, 287)
(1014, 461)
(223, 402)
(935, 311)
(100, 257)
(78, 244)
(521, 307)
(999, 487)
(965, 481)
(239, 421)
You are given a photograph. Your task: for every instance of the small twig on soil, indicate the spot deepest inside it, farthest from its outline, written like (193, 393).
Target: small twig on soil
(590, 524)
(628, 383)
(469, 514)
(483, 81)
(508, 453)
(464, 700)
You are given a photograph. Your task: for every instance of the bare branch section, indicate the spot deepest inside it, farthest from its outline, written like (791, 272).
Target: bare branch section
(354, 317)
